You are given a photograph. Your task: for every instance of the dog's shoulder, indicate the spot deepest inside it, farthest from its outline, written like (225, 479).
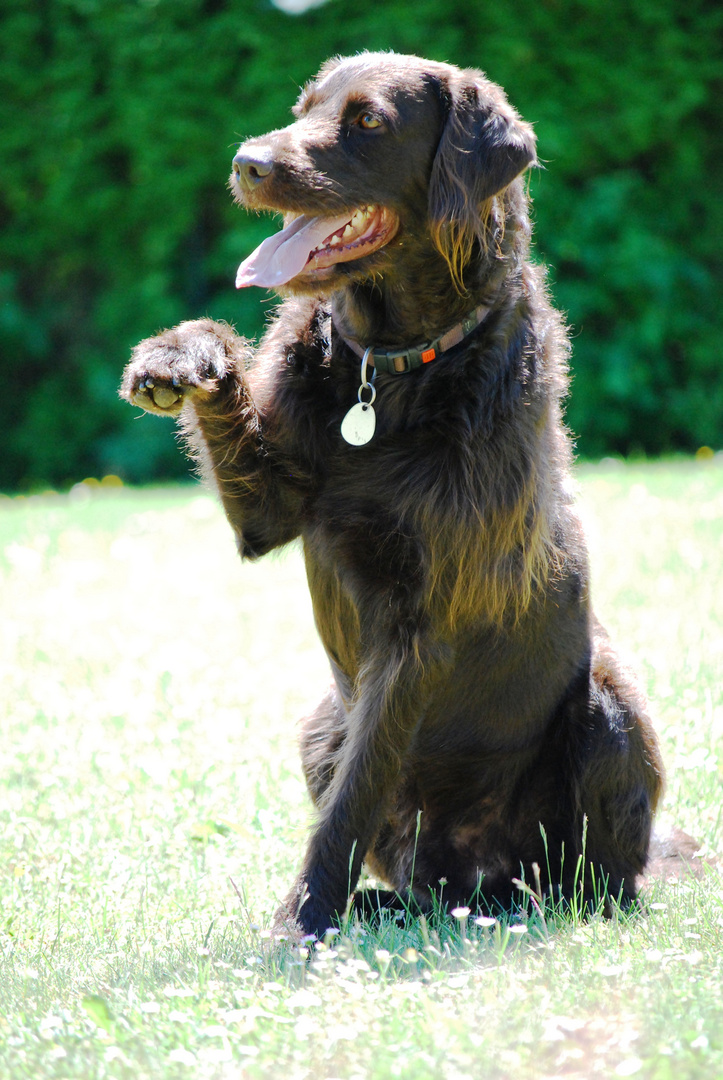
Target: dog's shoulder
(291, 380)
(299, 330)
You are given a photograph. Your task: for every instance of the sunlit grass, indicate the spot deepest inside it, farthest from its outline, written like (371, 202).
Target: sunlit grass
(151, 685)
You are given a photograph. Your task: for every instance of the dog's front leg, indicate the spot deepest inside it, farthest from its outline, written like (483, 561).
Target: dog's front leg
(393, 692)
(196, 372)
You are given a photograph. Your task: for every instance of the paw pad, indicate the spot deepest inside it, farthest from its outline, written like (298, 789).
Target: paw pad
(164, 396)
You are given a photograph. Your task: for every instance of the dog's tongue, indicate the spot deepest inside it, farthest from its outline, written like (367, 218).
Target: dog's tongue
(282, 256)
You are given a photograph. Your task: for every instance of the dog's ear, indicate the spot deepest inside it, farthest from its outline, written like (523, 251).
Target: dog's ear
(483, 148)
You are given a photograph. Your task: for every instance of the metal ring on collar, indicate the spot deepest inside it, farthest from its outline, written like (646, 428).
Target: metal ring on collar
(365, 385)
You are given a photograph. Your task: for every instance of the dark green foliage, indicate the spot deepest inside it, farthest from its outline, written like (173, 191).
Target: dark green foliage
(119, 122)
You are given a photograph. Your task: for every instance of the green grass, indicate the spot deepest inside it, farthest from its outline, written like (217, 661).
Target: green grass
(149, 757)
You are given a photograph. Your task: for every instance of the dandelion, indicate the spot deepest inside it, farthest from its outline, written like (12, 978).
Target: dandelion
(485, 921)
(518, 928)
(182, 1057)
(303, 999)
(383, 958)
(459, 912)
(215, 1031)
(456, 982)
(629, 1067)
(48, 1023)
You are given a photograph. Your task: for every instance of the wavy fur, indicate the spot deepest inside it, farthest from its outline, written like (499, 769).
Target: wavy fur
(447, 570)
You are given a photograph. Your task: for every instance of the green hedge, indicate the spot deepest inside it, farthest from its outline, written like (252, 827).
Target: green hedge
(119, 119)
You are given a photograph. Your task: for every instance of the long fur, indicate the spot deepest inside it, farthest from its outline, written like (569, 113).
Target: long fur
(448, 573)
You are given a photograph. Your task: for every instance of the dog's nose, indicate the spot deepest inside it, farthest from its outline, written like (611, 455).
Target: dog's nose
(251, 167)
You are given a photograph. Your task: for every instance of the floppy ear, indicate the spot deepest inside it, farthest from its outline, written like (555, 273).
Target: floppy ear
(484, 146)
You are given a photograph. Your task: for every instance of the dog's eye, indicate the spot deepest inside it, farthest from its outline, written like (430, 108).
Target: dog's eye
(369, 122)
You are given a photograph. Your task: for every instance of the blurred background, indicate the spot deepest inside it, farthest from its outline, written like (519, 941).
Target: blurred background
(119, 121)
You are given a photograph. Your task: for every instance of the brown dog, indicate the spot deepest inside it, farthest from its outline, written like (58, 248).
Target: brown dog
(477, 715)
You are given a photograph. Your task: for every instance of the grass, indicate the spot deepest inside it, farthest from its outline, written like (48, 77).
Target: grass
(149, 761)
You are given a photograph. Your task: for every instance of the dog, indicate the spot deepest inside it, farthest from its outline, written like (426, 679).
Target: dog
(402, 417)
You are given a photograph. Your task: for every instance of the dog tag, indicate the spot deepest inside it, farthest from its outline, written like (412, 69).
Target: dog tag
(357, 427)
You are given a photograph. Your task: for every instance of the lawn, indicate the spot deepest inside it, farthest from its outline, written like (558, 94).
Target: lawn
(152, 812)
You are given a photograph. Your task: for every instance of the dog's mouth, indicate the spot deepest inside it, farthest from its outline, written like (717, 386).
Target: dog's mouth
(309, 244)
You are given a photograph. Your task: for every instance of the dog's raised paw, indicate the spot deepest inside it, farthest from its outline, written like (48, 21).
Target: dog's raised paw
(165, 371)
(153, 381)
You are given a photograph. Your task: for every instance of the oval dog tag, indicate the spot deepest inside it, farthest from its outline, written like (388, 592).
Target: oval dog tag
(358, 425)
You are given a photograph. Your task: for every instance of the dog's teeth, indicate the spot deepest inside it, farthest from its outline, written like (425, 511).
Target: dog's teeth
(348, 231)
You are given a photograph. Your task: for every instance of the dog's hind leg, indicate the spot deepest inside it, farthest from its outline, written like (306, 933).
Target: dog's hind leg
(622, 775)
(322, 734)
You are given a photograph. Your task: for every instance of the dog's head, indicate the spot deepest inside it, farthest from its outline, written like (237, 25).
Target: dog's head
(386, 151)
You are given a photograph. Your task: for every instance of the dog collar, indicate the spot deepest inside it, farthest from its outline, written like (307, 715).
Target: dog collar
(400, 361)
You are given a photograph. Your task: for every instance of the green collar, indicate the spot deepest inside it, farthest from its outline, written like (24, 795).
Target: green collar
(400, 361)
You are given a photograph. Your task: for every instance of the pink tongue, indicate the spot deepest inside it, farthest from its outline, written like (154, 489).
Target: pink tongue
(282, 256)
